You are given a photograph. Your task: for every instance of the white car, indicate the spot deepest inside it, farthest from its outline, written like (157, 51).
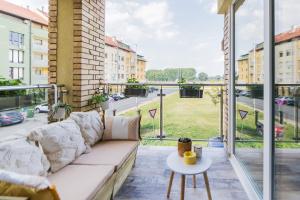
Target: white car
(43, 108)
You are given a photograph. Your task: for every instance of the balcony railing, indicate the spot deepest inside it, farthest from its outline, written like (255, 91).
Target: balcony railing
(198, 118)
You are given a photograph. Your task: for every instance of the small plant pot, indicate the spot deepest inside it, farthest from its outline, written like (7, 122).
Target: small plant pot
(136, 92)
(191, 93)
(60, 114)
(184, 146)
(104, 105)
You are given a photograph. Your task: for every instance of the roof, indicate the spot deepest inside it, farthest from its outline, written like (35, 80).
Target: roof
(140, 57)
(111, 41)
(20, 12)
(289, 35)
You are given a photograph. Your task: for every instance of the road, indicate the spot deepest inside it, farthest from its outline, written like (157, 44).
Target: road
(288, 111)
(132, 102)
(40, 119)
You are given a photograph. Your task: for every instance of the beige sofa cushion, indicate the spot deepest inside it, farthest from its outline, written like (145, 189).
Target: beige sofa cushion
(122, 128)
(18, 155)
(90, 124)
(108, 153)
(62, 142)
(80, 182)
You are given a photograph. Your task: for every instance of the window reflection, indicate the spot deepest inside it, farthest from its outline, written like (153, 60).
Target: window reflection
(249, 88)
(287, 78)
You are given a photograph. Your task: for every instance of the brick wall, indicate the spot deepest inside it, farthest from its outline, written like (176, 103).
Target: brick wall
(226, 49)
(88, 50)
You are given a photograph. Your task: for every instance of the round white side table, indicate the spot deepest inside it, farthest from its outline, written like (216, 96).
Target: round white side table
(177, 165)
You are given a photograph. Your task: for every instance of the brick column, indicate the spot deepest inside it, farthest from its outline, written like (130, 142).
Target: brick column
(76, 48)
(226, 49)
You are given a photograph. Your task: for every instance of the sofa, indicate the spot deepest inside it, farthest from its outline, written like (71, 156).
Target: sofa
(96, 174)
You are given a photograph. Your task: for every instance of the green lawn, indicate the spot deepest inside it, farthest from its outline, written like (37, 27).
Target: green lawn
(194, 118)
(199, 119)
(248, 132)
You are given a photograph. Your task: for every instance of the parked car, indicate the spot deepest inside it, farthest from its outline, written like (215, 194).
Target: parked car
(282, 100)
(152, 89)
(291, 101)
(115, 97)
(245, 93)
(43, 108)
(118, 96)
(10, 118)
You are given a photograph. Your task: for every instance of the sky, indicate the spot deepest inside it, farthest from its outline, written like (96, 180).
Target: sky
(169, 33)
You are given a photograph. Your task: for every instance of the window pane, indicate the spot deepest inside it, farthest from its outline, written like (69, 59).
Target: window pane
(21, 56)
(21, 73)
(10, 55)
(15, 56)
(15, 73)
(287, 101)
(249, 34)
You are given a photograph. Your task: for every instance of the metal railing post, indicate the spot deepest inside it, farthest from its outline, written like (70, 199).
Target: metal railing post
(161, 121)
(221, 114)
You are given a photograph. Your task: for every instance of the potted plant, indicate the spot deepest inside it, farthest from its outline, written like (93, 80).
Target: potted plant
(136, 90)
(61, 111)
(189, 91)
(184, 144)
(101, 100)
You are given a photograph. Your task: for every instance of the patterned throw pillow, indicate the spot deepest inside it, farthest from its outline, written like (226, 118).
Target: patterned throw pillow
(122, 128)
(90, 124)
(33, 187)
(19, 156)
(61, 142)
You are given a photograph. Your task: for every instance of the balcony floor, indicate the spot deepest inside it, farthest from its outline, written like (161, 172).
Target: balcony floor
(149, 178)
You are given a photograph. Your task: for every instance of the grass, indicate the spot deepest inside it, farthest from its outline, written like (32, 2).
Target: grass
(199, 119)
(194, 118)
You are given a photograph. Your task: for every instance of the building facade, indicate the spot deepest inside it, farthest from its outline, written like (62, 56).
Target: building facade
(24, 44)
(287, 60)
(122, 62)
(141, 68)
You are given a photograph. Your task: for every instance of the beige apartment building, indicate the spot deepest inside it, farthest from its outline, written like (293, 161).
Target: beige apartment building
(141, 68)
(122, 62)
(287, 60)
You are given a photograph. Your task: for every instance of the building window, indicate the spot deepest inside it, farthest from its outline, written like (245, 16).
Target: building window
(280, 54)
(16, 56)
(16, 39)
(38, 42)
(289, 52)
(16, 73)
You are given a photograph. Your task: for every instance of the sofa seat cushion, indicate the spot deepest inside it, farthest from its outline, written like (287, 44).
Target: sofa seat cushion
(80, 182)
(108, 153)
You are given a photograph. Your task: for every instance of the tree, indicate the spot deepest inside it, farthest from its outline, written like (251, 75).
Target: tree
(203, 76)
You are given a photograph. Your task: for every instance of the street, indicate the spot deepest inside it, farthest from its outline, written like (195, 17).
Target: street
(129, 103)
(288, 111)
(40, 119)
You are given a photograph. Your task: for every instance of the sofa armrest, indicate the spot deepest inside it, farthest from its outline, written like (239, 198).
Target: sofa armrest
(13, 198)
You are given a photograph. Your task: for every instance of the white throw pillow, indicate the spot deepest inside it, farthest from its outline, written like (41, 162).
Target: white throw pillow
(90, 125)
(22, 157)
(61, 142)
(122, 128)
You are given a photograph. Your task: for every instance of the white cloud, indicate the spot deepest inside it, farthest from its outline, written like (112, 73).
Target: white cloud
(33, 4)
(210, 5)
(133, 20)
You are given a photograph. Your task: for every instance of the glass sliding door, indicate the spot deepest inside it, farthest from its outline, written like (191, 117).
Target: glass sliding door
(249, 111)
(287, 101)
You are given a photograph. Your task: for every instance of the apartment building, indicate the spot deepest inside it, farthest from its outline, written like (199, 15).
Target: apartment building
(287, 60)
(122, 62)
(141, 68)
(24, 44)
